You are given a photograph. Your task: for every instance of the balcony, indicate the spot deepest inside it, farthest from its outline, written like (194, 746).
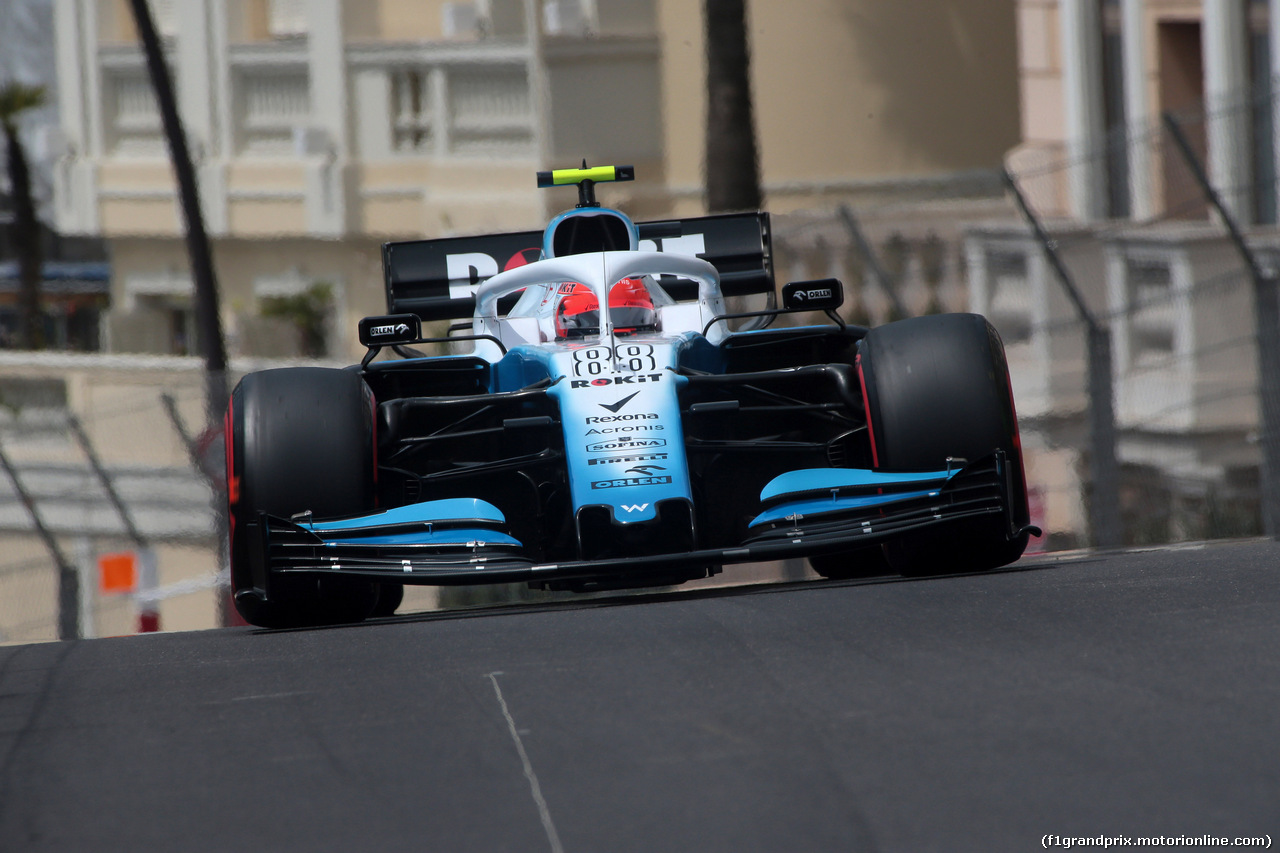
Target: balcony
(1012, 283)
(1182, 332)
(326, 132)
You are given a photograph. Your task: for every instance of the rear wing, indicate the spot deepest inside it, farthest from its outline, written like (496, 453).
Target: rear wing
(437, 279)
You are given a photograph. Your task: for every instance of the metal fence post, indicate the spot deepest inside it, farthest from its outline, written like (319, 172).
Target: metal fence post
(887, 283)
(1266, 306)
(68, 576)
(1104, 503)
(100, 471)
(221, 522)
(1267, 302)
(148, 615)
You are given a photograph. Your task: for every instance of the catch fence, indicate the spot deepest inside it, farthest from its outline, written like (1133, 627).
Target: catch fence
(1133, 299)
(107, 495)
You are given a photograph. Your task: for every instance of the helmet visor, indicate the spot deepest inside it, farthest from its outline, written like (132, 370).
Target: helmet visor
(632, 317)
(579, 324)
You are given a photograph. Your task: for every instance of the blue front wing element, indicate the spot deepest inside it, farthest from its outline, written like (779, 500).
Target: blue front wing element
(816, 491)
(453, 511)
(442, 537)
(818, 510)
(445, 522)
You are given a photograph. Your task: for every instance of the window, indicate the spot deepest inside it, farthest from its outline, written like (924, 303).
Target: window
(490, 111)
(163, 17)
(410, 110)
(274, 103)
(1150, 310)
(287, 18)
(1009, 299)
(156, 315)
(172, 322)
(134, 126)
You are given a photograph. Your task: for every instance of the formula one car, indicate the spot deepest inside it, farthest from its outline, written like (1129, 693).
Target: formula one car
(611, 428)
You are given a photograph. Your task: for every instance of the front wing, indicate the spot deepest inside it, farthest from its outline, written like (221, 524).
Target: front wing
(818, 511)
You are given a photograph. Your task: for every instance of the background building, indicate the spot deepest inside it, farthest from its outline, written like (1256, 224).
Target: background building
(75, 273)
(1106, 88)
(27, 56)
(322, 129)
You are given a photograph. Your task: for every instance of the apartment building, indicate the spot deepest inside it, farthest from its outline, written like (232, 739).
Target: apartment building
(75, 280)
(1101, 167)
(321, 129)
(26, 56)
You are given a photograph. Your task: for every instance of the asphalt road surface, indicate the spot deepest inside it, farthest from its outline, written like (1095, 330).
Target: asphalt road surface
(1130, 695)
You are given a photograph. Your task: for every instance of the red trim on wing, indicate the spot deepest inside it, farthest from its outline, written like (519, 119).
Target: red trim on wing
(1013, 412)
(1017, 437)
(233, 482)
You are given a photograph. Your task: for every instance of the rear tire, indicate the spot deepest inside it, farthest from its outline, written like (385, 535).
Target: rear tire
(301, 438)
(938, 386)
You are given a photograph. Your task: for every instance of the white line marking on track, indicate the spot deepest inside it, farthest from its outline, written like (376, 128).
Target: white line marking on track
(543, 812)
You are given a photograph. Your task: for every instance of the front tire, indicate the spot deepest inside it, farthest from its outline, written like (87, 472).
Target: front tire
(301, 438)
(850, 565)
(390, 597)
(938, 387)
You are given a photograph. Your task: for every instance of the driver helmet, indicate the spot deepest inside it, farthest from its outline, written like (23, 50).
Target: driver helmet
(630, 306)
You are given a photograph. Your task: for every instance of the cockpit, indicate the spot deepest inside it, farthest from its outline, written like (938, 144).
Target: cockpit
(631, 308)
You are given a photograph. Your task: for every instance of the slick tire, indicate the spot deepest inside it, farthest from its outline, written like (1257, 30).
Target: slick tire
(390, 596)
(300, 438)
(938, 386)
(853, 563)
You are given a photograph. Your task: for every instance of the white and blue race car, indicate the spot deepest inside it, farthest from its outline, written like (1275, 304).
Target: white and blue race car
(613, 425)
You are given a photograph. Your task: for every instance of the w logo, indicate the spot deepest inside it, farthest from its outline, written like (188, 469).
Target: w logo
(635, 507)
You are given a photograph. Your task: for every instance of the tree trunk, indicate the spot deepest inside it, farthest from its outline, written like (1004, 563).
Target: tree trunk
(26, 240)
(732, 167)
(208, 320)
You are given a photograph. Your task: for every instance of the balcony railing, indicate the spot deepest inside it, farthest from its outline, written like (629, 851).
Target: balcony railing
(439, 109)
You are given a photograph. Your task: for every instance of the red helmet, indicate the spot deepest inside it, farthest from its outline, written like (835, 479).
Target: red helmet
(630, 306)
(578, 313)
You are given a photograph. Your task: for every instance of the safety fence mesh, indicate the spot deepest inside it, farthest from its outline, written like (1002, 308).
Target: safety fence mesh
(107, 496)
(1145, 259)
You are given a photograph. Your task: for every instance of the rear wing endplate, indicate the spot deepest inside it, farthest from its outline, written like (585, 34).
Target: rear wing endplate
(437, 279)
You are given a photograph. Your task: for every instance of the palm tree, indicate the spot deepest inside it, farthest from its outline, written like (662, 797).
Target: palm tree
(733, 172)
(208, 321)
(16, 98)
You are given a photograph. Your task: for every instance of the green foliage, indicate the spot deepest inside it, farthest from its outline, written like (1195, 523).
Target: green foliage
(307, 311)
(16, 98)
